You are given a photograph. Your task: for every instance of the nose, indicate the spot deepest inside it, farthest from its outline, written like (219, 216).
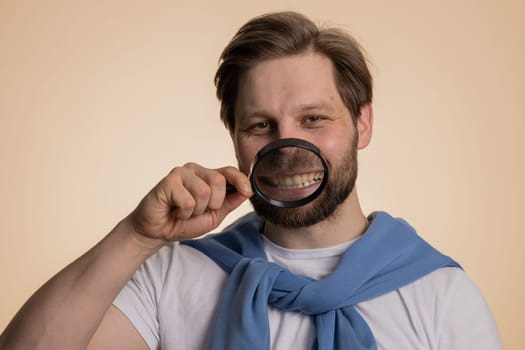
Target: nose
(289, 129)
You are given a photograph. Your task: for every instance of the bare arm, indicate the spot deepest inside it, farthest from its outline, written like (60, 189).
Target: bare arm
(116, 332)
(66, 312)
(78, 296)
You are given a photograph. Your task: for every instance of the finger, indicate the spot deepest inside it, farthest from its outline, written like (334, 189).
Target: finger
(196, 180)
(217, 181)
(176, 195)
(219, 202)
(231, 202)
(237, 179)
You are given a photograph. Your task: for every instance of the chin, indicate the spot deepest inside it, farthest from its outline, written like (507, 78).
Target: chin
(322, 208)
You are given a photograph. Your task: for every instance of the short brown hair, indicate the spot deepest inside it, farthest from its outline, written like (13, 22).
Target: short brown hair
(281, 34)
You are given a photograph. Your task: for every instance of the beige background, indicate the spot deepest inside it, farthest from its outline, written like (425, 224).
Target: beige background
(100, 99)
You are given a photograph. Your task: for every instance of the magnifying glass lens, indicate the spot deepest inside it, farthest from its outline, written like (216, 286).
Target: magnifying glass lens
(289, 173)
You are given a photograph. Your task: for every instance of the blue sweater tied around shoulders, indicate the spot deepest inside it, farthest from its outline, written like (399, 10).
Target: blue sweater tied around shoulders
(388, 256)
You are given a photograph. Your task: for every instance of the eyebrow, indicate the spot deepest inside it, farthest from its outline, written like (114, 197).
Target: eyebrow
(307, 107)
(316, 106)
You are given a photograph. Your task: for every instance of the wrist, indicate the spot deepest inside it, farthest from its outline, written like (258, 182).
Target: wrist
(144, 245)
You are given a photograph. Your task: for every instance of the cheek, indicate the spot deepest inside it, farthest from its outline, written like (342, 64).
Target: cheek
(245, 154)
(335, 147)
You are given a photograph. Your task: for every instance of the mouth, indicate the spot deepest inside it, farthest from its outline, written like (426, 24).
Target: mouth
(286, 182)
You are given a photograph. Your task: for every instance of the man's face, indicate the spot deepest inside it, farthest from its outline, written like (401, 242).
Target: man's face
(296, 97)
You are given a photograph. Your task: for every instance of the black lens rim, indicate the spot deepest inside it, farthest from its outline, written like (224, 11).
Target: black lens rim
(289, 142)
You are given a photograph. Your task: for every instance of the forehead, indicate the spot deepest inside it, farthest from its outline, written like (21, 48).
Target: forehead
(281, 85)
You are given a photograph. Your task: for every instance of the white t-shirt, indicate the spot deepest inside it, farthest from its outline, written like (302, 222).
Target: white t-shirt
(172, 299)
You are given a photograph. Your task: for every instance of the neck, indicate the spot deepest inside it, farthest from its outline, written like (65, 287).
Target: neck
(345, 224)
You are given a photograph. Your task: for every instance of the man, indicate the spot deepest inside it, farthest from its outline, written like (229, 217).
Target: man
(323, 275)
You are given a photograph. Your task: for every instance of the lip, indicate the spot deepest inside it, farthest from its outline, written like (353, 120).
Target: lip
(291, 192)
(293, 181)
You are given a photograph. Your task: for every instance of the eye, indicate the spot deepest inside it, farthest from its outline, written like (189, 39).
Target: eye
(261, 126)
(313, 119)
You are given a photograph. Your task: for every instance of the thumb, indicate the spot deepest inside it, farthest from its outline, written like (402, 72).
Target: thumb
(231, 202)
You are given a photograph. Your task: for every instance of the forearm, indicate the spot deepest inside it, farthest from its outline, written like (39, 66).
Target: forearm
(66, 311)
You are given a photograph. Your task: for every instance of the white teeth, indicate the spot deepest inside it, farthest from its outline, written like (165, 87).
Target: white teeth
(296, 181)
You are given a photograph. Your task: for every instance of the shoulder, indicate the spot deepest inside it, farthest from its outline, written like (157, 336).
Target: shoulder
(441, 283)
(176, 259)
(463, 317)
(170, 269)
(171, 298)
(442, 310)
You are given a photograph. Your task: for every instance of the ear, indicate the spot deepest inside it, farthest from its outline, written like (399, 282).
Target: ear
(365, 125)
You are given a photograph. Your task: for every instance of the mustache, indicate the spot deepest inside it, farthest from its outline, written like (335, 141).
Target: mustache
(293, 160)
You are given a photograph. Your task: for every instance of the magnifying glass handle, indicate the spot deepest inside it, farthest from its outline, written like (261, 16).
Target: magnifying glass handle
(230, 188)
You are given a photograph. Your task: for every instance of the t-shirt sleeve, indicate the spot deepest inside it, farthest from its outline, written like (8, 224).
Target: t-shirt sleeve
(139, 298)
(465, 321)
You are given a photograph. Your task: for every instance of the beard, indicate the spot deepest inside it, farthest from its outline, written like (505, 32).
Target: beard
(340, 184)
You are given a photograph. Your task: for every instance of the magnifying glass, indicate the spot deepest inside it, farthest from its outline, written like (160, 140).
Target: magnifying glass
(288, 173)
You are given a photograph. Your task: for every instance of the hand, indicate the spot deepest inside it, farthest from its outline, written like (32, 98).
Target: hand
(190, 201)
